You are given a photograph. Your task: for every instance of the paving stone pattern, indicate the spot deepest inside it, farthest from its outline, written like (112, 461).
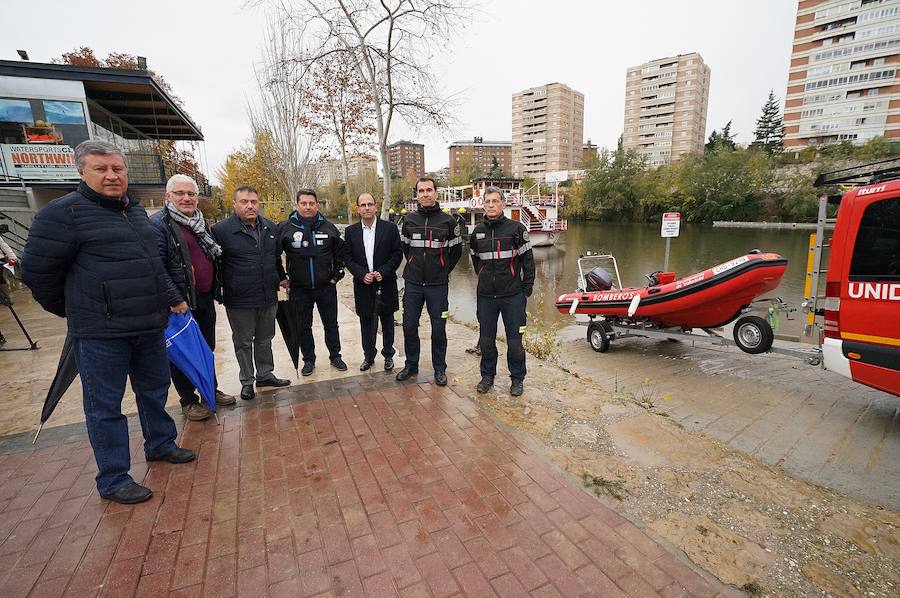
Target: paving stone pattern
(341, 490)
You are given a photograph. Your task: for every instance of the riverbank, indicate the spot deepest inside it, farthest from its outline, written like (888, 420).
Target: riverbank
(768, 225)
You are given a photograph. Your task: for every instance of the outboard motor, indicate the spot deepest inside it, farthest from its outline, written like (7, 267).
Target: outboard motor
(598, 279)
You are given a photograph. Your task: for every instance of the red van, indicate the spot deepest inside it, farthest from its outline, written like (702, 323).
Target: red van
(862, 283)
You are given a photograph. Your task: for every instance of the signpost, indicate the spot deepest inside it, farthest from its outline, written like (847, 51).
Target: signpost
(671, 223)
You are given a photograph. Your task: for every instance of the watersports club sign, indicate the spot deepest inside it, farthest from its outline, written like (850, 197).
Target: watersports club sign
(39, 162)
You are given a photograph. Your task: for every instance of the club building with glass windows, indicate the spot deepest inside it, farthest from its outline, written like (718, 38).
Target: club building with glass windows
(48, 109)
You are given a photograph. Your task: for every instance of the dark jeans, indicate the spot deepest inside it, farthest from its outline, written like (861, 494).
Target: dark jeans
(205, 316)
(514, 319)
(368, 326)
(325, 299)
(104, 365)
(435, 298)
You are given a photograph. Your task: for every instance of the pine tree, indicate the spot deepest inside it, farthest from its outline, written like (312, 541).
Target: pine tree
(721, 141)
(769, 126)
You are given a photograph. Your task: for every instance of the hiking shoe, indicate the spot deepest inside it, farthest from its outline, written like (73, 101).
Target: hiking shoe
(195, 412)
(516, 388)
(485, 385)
(224, 399)
(129, 494)
(308, 368)
(338, 364)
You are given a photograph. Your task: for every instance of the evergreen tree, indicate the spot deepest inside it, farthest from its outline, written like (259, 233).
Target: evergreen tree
(721, 141)
(769, 126)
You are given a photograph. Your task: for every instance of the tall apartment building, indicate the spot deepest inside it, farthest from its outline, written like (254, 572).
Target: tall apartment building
(842, 81)
(547, 130)
(406, 157)
(482, 153)
(665, 107)
(326, 171)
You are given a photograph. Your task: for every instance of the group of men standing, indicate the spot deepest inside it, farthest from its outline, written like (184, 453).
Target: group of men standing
(94, 257)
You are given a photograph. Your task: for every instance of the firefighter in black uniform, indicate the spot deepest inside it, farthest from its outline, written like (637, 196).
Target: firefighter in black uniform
(432, 245)
(315, 263)
(503, 260)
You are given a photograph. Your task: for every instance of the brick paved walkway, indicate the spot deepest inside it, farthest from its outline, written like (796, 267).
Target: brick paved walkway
(328, 489)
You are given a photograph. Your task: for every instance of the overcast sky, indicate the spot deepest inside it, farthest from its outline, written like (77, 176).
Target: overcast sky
(206, 50)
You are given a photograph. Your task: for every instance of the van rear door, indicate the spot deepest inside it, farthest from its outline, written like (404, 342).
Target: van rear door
(870, 297)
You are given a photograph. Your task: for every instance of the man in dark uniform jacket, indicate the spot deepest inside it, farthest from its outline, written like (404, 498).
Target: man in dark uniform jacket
(431, 243)
(91, 258)
(373, 255)
(315, 264)
(504, 263)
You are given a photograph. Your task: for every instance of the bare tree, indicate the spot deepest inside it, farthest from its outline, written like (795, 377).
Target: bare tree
(282, 109)
(341, 109)
(391, 44)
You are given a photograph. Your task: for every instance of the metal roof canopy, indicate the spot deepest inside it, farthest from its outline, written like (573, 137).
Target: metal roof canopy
(131, 95)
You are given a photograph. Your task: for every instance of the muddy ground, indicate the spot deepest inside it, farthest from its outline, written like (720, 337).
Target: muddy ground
(747, 523)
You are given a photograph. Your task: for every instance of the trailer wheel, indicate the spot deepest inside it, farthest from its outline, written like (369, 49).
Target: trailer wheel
(753, 335)
(598, 338)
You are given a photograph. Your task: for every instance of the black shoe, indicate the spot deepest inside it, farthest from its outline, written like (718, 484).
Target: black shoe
(485, 385)
(273, 381)
(365, 365)
(338, 364)
(440, 378)
(308, 367)
(129, 494)
(388, 364)
(179, 455)
(247, 392)
(516, 388)
(406, 372)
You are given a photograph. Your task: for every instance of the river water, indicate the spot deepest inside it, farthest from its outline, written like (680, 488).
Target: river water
(639, 250)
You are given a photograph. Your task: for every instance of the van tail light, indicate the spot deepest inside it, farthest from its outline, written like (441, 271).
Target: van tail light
(832, 310)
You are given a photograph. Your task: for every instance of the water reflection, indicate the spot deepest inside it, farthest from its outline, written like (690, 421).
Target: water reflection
(639, 251)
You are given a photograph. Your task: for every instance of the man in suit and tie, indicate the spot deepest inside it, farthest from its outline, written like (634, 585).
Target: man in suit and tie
(373, 255)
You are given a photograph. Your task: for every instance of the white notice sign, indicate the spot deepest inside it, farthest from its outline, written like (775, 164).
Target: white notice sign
(671, 223)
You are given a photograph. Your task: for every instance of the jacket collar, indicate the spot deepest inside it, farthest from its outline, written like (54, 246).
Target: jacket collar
(298, 221)
(435, 208)
(237, 224)
(494, 223)
(120, 204)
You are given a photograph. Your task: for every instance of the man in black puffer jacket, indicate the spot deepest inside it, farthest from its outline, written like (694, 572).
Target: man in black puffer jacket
(251, 274)
(91, 258)
(315, 263)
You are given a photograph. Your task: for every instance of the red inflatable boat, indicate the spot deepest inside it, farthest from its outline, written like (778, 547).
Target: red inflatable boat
(706, 299)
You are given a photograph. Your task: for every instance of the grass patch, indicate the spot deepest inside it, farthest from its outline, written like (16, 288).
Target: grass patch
(602, 486)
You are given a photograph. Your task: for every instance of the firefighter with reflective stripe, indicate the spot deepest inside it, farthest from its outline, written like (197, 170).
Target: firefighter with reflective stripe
(431, 242)
(504, 263)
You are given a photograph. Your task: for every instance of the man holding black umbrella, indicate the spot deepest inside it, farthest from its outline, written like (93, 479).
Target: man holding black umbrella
(189, 254)
(91, 257)
(373, 255)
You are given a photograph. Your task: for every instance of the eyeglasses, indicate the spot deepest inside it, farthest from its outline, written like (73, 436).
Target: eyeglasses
(190, 194)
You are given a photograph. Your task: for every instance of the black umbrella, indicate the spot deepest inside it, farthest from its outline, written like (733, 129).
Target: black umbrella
(288, 318)
(65, 375)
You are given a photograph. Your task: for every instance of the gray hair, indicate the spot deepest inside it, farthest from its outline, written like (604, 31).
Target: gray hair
(493, 189)
(95, 147)
(181, 178)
